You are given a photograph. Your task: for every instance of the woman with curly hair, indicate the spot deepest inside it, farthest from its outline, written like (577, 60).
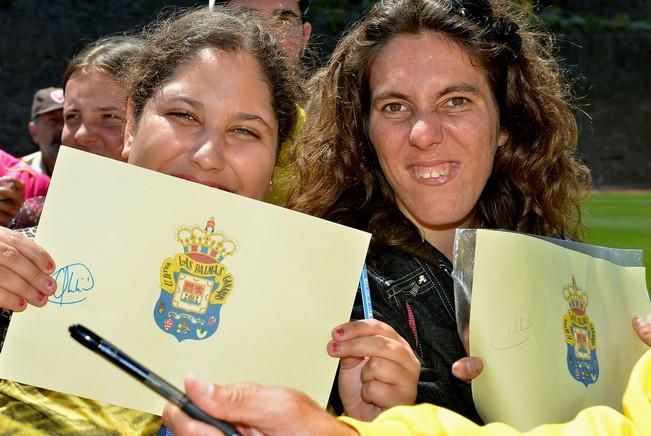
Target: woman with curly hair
(434, 115)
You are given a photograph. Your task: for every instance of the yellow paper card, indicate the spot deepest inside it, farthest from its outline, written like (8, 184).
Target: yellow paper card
(553, 328)
(182, 277)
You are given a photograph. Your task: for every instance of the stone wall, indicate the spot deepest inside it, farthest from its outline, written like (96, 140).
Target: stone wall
(611, 65)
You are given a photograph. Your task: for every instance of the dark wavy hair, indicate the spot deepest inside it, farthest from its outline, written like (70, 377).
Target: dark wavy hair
(172, 41)
(537, 183)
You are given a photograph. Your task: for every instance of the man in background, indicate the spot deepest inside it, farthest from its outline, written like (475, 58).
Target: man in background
(45, 128)
(295, 32)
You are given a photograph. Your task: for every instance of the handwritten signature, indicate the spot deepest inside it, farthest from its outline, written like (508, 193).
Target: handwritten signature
(74, 281)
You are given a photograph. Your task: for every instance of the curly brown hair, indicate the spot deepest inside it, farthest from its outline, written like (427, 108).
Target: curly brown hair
(172, 41)
(537, 183)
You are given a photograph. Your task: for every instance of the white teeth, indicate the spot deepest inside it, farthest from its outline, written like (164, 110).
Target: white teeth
(424, 173)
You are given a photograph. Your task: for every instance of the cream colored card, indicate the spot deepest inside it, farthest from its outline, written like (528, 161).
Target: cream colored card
(263, 313)
(553, 328)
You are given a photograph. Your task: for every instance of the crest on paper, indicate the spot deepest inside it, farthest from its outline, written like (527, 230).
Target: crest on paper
(580, 336)
(195, 284)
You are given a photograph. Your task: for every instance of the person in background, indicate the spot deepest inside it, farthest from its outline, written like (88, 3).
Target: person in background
(294, 32)
(45, 128)
(94, 107)
(94, 110)
(18, 182)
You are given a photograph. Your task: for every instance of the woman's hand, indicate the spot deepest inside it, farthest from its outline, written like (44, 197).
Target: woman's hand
(254, 410)
(378, 368)
(24, 272)
(12, 196)
(467, 368)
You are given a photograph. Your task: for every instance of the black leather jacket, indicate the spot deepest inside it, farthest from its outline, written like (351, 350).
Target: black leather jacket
(416, 298)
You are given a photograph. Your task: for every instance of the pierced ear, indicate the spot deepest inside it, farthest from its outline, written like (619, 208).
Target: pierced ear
(129, 131)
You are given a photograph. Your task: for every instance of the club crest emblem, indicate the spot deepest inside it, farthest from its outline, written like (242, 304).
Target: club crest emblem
(195, 284)
(580, 336)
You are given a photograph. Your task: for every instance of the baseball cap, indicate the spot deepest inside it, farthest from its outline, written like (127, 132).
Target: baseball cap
(47, 100)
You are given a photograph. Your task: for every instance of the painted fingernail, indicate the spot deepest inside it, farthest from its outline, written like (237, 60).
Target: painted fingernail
(21, 302)
(41, 297)
(340, 331)
(50, 266)
(50, 286)
(335, 347)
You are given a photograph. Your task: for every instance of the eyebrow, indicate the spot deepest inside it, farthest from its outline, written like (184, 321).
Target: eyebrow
(110, 108)
(175, 97)
(286, 12)
(252, 117)
(68, 109)
(457, 87)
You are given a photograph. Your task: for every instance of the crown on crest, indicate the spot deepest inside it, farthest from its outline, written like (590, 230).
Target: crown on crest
(577, 299)
(206, 241)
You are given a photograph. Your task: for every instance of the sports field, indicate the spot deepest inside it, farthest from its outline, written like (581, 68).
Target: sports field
(622, 220)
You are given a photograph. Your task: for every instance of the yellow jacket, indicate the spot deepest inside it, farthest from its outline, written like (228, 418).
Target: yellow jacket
(426, 419)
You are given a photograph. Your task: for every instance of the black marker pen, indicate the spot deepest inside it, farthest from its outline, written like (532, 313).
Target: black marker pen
(114, 355)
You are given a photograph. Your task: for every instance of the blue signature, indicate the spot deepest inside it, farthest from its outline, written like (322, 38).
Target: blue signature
(74, 281)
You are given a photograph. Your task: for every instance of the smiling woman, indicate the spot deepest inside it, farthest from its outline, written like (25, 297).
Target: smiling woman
(210, 98)
(433, 115)
(94, 109)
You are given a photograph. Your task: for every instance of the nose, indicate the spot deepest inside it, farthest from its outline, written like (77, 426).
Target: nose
(210, 155)
(85, 135)
(426, 131)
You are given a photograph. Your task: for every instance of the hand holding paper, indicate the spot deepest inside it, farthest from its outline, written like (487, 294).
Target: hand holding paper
(377, 369)
(26, 267)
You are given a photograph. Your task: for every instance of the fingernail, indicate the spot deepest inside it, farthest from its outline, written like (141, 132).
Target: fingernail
(21, 302)
(203, 387)
(334, 347)
(41, 297)
(50, 286)
(339, 331)
(50, 266)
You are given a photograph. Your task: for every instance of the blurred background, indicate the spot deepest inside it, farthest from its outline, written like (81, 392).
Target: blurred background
(605, 47)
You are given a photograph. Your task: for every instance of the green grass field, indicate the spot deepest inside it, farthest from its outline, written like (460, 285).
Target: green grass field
(621, 220)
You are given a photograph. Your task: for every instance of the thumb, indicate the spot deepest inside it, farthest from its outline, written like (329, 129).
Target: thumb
(467, 368)
(234, 403)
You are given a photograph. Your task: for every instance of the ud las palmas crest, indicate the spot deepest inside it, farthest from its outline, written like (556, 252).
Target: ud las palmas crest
(195, 284)
(580, 336)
